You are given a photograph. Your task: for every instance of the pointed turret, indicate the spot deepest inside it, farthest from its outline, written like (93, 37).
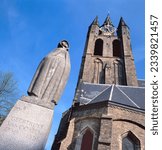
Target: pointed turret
(122, 27)
(108, 21)
(108, 28)
(95, 21)
(124, 35)
(122, 23)
(94, 24)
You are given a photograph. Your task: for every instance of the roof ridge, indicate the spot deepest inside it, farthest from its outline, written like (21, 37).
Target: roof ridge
(95, 83)
(112, 88)
(127, 97)
(130, 86)
(87, 99)
(101, 92)
(141, 79)
(101, 84)
(104, 85)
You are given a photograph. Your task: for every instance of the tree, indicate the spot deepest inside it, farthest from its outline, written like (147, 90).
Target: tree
(8, 93)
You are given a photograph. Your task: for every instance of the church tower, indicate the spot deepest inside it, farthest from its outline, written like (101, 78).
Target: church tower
(107, 57)
(109, 104)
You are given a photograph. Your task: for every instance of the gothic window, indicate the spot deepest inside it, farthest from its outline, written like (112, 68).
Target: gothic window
(98, 72)
(118, 72)
(98, 50)
(117, 48)
(87, 140)
(130, 142)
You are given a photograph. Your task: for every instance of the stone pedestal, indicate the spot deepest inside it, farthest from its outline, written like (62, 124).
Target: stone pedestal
(26, 127)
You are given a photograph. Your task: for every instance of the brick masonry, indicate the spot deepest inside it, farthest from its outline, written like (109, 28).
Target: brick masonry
(108, 125)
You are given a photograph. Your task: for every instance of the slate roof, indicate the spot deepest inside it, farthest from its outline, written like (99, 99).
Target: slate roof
(129, 96)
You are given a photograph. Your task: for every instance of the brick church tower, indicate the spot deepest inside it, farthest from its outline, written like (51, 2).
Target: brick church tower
(107, 57)
(108, 108)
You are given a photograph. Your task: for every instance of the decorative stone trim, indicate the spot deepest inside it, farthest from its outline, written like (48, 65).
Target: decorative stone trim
(130, 121)
(126, 109)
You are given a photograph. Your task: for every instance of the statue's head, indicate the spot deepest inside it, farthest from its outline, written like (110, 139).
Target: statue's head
(63, 44)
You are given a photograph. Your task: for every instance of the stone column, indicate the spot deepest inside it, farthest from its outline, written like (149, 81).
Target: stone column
(104, 140)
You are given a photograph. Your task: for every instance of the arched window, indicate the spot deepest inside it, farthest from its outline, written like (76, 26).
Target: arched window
(130, 142)
(98, 50)
(98, 76)
(118, 72)
(87, 140)
(117, 48)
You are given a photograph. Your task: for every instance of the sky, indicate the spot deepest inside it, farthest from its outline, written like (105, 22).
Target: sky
(30, 29)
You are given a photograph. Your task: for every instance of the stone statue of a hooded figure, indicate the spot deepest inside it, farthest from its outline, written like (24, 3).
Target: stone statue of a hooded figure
(51, 75)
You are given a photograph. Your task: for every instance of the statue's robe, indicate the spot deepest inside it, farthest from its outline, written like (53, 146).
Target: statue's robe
(51, 76)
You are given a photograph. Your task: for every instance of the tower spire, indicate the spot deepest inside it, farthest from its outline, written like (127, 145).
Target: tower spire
(108, 20)
(95, 21)
(122, 22)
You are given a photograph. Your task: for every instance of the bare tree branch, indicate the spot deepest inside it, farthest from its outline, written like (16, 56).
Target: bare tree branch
(8, 93)
(7, 84)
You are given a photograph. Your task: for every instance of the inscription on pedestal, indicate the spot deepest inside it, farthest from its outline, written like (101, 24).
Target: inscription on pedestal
(26, 127)
(31, 129)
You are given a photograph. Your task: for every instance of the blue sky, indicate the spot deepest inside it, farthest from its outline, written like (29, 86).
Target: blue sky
(30, 29)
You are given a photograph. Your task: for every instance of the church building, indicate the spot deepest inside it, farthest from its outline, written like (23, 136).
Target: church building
(108, 111)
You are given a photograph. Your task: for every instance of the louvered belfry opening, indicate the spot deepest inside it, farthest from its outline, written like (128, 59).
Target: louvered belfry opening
(117, 48)
(98, 50)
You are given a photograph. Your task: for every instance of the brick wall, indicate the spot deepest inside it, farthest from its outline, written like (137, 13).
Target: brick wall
(108, 125)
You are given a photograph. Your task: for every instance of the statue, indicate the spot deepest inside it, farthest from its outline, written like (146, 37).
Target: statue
(51, 75)
(28, 123)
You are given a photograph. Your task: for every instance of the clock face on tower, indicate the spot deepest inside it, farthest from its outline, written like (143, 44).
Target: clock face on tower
(108, 29)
